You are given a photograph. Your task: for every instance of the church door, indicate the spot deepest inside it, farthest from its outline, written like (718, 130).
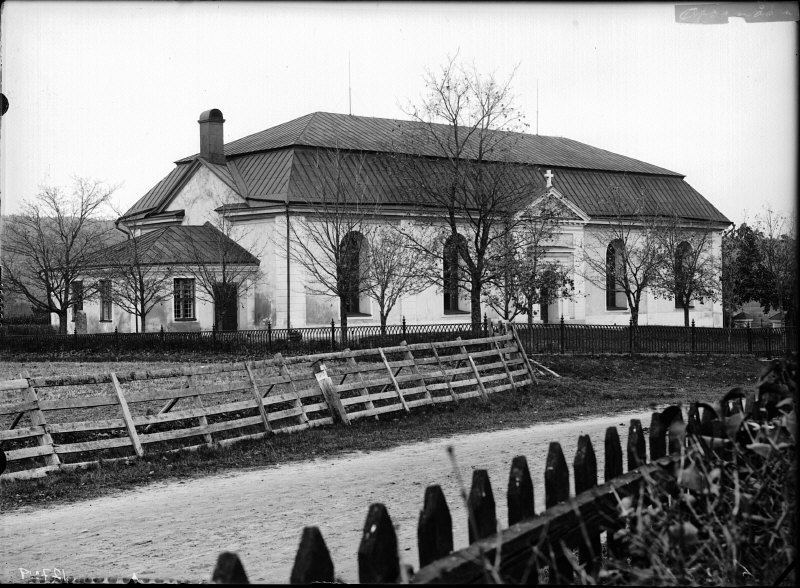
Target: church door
(226, 305)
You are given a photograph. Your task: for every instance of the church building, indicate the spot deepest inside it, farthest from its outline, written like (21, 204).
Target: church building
(252, 189)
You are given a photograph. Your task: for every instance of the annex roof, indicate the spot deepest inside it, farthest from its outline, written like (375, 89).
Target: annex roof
(183, 244)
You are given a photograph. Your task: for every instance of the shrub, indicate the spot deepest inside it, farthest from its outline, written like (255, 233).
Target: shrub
(729, 515)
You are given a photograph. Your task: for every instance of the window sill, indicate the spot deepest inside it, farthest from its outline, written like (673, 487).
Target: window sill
(616, 308)
(449, 312)
(106, 321)
(358, 315)
(184, 320)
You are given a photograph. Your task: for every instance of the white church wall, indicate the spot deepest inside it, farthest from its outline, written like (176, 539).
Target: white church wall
(201, 195)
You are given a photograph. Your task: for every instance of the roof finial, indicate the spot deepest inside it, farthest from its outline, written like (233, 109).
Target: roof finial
(549, 177)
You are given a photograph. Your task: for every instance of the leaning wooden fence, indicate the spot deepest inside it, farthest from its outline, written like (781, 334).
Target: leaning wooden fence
(58, 422)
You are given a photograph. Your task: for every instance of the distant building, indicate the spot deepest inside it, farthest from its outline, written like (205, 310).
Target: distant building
(264, 181)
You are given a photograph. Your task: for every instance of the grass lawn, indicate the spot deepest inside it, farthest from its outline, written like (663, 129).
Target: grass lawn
(596, 385)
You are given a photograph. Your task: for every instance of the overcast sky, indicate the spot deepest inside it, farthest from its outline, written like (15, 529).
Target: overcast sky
(113, 90)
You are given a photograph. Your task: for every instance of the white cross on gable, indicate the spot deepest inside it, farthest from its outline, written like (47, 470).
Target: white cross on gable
(549, 177)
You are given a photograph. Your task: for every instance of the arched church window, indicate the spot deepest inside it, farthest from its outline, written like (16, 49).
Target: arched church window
(615, 294)
(350, 259)
(682, 253)
(451, 259)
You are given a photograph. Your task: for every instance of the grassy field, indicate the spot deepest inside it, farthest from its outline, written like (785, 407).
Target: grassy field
(598, 385)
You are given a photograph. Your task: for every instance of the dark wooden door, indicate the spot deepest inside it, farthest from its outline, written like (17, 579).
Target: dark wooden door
(226, 306)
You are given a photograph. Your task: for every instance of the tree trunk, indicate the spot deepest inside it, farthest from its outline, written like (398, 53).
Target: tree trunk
(384, 316)
(530, 313)
(343, 320)
(62, 322)
(685, 313)
(475, 303)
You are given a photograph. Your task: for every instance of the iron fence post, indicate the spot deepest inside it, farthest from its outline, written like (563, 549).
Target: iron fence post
(749, 339)
(404, 327)
(561, 335)
(769, 341)
(333, 335)
(630, 335)
(693, 337)
(269, 336)
(116, 340)
(485, 325)
(75, 336)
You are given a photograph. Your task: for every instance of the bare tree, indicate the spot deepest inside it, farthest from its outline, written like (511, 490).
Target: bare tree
(624, 256)
(392, 271)
(462, 169)
(329, 240)
(523, 275)
(137, 282)
(778, 248)
(690, 272)
(220, 265)
(48, 247)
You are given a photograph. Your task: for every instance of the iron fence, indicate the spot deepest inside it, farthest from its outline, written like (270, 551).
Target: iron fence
(539, 338)
(592, 339)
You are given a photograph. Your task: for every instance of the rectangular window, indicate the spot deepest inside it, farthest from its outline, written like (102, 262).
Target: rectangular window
(77, 297)
(184, 299)
(105, 300)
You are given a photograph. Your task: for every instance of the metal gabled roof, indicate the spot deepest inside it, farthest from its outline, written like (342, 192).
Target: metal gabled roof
(363, 133)
(176, 245)
(607, 194)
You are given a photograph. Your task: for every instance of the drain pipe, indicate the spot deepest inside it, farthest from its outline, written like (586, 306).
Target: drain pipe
(288, 274)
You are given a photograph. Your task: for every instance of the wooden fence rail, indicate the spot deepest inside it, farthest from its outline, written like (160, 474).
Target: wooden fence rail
(78, 420)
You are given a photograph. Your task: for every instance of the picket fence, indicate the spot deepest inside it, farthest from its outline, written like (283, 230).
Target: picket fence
(532, 542)
(74, 421)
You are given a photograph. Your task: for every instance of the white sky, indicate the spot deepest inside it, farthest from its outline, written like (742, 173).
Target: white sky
(113, 90)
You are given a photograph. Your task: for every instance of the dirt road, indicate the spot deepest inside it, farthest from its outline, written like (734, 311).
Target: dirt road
(177, 529)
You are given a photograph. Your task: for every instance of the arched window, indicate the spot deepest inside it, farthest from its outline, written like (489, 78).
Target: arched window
(682, 253)
(450, 272)
(350, 259)
(615, 294)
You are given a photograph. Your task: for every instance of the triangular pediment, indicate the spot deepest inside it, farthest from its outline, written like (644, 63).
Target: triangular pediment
(555, 203)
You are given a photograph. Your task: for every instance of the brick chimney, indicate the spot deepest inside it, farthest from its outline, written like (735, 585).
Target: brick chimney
(211, 144)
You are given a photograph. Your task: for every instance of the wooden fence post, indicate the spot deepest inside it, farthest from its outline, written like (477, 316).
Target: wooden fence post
(38, 419)
(378, 562)
(585, 473)
(556, 489)
(312, 563)
(394, 381)
(229, 570)
(523, 354)
(126, 415)
(284, 371)
(520, 491)
(435, 527)
(693, 420)
(673, 415)
(658, 437)
(335, 405)
(612, 469)
(477, 377)
(259, 399)
(351, 363)
(447, 378)
(415, 369)
(481, 507)
(636, 445)
(505, 366)
(202, 420)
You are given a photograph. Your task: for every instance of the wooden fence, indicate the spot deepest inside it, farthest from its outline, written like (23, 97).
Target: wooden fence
(56, 422)
(563, 538)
